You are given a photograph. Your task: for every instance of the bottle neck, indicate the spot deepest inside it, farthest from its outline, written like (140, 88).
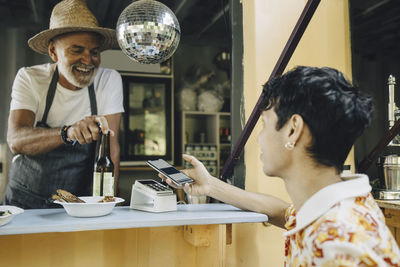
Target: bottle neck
(104, 150)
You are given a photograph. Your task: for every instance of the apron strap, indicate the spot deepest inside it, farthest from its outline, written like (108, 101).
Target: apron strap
(49, 99)
(50, 96)
(92, 98)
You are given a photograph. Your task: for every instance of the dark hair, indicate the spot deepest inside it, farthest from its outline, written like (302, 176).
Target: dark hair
(333, 109)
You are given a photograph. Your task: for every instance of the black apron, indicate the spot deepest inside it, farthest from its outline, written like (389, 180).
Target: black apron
(33, 179)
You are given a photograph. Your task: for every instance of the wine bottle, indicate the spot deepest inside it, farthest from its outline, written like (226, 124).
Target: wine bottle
(103, 176)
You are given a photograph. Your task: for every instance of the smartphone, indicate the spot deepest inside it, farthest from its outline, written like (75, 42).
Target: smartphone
(163, 167)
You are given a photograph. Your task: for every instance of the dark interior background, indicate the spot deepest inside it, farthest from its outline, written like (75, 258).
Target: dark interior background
(205, 25)
(201, 21)
(205, 33)
(375, 35)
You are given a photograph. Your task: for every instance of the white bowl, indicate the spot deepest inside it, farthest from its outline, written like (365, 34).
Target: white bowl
(91, 207)
(7, 218)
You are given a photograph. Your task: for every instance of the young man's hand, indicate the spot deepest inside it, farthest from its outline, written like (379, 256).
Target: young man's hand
(198, 173)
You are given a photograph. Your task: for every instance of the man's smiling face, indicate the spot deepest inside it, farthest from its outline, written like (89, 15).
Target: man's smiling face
(78, 58)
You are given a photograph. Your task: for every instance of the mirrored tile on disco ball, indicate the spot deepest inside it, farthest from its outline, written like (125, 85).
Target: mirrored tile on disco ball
(148, 32)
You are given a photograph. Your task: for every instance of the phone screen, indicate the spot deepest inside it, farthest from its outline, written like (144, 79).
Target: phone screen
(168, 170)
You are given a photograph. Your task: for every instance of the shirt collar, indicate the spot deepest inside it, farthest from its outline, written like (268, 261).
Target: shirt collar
(324, 199)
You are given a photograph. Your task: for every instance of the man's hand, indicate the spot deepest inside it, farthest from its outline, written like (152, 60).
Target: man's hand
(199, 173)
(88, 129)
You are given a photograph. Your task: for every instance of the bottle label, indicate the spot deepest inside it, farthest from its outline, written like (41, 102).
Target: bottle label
(108, 184)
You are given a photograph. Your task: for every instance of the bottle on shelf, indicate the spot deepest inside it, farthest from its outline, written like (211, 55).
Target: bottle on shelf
(224, 135)
(103, 175)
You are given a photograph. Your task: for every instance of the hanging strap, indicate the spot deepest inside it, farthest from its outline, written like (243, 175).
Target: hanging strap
(50, 96)
(92, 98)
(49, 99)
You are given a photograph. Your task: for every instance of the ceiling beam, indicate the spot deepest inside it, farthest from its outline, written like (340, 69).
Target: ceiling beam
(217, 16)
(34, 11)
(375, 6)
(184, 9)
(101, 9)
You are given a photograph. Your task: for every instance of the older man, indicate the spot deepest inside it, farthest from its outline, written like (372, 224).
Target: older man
(55, 106)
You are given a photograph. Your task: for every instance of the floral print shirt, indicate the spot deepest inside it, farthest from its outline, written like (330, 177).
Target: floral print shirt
(340, 225)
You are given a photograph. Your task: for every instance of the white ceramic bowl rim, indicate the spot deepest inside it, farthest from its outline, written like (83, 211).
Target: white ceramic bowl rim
(91, 207)
(13, 209)
(7, 218)
(94, 201)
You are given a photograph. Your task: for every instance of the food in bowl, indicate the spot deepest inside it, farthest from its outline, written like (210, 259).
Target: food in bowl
(107, 199)
(5, 212)
(63, 195)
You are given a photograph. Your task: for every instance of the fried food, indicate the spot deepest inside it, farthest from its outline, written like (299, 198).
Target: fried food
(65, 196)
(107, 199)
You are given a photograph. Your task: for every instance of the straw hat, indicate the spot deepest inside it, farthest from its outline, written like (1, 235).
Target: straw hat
(71, 16)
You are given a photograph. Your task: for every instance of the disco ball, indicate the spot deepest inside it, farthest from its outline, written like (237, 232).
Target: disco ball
(148, 32)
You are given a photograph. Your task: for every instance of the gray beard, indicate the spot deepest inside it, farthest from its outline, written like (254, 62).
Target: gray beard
(80, 80)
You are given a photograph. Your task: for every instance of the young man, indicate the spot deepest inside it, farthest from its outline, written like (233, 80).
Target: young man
(312, 116)
(57, 105)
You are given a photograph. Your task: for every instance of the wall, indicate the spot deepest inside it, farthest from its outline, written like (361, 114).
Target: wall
(375, 54)
(371, 73)
(15, 53)
(267, 25)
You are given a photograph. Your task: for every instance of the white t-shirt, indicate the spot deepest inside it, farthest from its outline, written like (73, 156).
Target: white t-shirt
(69, 106)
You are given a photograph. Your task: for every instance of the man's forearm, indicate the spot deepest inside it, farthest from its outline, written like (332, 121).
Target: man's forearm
(34, 141)
(266, 204)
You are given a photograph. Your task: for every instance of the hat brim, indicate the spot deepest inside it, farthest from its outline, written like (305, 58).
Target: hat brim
(40, 41)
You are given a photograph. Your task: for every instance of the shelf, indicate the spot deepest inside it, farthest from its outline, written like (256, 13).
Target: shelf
(225, 144)
(200, 144)
(189, 112)
(198, 125)
(149, 75)
(138, 111)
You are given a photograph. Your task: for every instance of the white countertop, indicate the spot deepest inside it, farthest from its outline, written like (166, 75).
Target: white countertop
(57, 220)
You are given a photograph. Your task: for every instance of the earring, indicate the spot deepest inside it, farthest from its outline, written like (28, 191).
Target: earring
(289, 145)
